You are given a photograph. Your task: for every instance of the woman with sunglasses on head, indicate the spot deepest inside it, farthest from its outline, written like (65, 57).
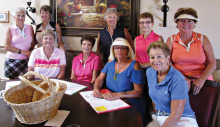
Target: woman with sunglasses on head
(123, 75)
(18, 44)
(146, 23)
(191, 52)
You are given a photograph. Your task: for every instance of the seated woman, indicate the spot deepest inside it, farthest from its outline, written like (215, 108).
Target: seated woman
(192, 53)
(168, 90)
(87, 65)
(123, 75)
(48, 59)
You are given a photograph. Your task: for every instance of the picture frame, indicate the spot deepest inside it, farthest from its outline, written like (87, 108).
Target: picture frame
(128, 10)
(4, 16)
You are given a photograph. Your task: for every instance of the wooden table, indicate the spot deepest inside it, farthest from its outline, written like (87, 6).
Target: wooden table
(81, 113)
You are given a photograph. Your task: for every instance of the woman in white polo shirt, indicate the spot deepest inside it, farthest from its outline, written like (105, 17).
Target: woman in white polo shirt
(48, 59)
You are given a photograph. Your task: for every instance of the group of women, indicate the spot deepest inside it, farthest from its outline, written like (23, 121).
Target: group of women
(184, 62)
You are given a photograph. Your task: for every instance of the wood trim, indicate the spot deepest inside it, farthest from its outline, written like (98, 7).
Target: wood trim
(217, 64)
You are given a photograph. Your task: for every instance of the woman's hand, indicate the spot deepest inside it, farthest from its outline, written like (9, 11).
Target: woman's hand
(111, 96)
(197, 85)
(97, 93)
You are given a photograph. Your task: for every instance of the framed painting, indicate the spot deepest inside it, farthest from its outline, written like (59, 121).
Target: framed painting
(78, 17)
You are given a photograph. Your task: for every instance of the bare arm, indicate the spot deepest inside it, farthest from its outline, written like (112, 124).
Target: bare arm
(98, 85)
(128, 38)
(136, 93)
(33, 43)
(10, 48)
(73, 75)
(59, 37)
(211, 65)
(62, 72)
(31, 76)
(177, 107)
(95, 74)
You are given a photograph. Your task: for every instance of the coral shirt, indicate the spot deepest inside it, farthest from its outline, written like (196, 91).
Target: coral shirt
(82, 71)
(142, 45)
(190, 60)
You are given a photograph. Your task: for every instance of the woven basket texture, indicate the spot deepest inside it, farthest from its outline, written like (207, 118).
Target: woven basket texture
(20, 99)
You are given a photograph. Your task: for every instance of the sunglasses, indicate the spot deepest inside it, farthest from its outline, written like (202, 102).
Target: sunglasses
(120, 47)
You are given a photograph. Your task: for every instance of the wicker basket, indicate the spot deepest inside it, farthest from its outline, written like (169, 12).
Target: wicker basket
(20, 99)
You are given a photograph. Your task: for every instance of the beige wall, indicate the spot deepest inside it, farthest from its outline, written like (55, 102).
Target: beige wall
(207, 12)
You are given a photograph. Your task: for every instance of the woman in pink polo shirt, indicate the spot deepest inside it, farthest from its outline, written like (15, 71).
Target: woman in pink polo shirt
(87, 65)
(141, 43)
(18, 44)
(191, 52)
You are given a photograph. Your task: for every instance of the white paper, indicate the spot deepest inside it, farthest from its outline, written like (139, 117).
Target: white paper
(58, 120)
(71, 87)
(98, 102)
(11, 84)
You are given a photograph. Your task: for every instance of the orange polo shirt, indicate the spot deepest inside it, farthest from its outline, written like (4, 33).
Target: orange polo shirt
(189, 59)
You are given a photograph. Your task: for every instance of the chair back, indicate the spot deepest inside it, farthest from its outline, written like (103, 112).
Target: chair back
(205, 104)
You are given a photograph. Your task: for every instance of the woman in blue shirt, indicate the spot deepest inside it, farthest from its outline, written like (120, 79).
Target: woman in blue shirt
(124, 76)
(168, 90)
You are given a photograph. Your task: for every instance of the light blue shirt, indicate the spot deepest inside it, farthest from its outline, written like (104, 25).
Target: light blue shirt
(173, 87)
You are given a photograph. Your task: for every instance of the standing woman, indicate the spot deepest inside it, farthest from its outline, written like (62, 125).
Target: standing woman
(19, 41)
(87, 65)
(45, 12)
(146, 23)
(110, 33)
(191, 52)
(48, 59)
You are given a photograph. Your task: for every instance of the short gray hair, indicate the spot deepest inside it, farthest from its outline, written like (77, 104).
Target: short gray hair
(48, 31)
(19, 9)
(110, 10)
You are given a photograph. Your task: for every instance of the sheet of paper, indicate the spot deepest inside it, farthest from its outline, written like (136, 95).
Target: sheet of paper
(58, 120)
(11, 84)
(71, 87)
(102, 105)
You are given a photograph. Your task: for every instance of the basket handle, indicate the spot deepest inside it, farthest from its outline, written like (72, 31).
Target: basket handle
(32, 85)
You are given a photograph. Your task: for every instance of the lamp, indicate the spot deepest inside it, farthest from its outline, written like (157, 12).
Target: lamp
(165, 9)
(31, 9)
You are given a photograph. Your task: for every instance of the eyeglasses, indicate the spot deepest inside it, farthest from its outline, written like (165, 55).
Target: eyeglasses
(190, 21)
(120, 47)
(147, 22)
(20, 16)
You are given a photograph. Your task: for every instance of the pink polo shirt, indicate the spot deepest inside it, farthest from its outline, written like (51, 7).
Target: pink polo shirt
(21, 40)
(142, 45)
(82, 71)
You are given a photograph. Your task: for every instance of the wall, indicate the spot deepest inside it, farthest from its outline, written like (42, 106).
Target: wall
(208, 25)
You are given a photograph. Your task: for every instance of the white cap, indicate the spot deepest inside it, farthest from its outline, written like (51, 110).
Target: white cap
(186, 16)
(123, 42)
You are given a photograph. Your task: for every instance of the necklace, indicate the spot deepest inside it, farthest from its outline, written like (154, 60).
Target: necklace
(118, 68)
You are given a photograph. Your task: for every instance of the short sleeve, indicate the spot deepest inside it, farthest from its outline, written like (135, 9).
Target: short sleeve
(105, 69)
(179, 89)
(138, 77)
(98, 64)
(32, 59)
(62, 58)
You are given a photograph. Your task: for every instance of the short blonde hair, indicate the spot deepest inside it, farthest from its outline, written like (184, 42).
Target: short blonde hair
(124, 42)
(48, 31)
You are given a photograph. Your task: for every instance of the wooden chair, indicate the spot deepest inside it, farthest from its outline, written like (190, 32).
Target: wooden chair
(206, 104)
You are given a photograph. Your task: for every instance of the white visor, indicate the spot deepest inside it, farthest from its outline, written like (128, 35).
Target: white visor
(186, 16)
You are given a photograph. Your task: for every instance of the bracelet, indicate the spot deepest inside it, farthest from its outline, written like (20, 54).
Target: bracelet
(19, 51)
(95, 87)
(120, 94)
(125, 93)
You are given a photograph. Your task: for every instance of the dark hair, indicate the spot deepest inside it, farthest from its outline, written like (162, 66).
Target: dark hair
(88, 38)
(159, 45)
(46, 8)
(147, 15)
(189, 11)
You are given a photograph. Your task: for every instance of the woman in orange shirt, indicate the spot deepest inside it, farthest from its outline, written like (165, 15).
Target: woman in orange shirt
(191, 52)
